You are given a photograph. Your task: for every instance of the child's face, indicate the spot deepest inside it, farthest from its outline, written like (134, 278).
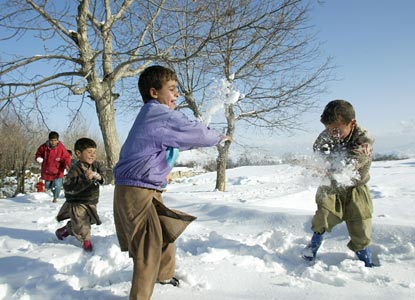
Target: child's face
(339, 130)
(53, 142)
(167, 94)
(87, 156)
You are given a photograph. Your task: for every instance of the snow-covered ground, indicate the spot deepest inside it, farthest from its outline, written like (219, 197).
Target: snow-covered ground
(245, 244)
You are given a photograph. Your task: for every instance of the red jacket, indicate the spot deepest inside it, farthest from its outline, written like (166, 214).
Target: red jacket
(55, 161)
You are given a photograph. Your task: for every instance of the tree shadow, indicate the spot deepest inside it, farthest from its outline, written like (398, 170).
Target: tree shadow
(32, 236)
(19, 199)
(40, 280)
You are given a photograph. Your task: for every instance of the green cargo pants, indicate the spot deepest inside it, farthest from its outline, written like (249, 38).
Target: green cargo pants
(350, 204)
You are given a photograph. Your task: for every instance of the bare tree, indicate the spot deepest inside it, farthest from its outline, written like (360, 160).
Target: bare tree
(265, 51)
(20, 138)
(90, 48)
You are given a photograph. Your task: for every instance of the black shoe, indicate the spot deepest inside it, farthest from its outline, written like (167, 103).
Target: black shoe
(173, 281)
(62, 233)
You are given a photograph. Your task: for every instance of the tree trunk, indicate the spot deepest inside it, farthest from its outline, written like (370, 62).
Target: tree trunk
(106, 116)
(224, 150)
(221, 162)
(190, 100)
(20, 178)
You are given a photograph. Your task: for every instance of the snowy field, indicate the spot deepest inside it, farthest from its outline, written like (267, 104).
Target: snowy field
(245, 244)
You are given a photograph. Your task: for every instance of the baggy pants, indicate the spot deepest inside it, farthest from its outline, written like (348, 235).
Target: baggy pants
(81, 216)
(140, 231)
(352, 205)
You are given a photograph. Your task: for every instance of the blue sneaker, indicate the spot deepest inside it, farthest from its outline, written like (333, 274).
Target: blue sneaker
(309, 252)
(365, 255)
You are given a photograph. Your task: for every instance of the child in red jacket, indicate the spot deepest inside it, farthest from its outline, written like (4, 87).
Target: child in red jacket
(54, 159)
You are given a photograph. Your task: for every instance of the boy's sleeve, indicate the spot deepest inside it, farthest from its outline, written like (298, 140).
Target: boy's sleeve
(101, 170)
(182, 133)
(40, 152)
(67, 159)
(323, 144)
(361, 151)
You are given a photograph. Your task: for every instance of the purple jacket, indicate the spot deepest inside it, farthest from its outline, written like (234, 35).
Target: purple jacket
(143, 160)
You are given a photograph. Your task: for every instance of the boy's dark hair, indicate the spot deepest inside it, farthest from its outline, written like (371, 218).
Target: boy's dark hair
(84, 143)
(154, 77)
(53, 135)
(338, 111)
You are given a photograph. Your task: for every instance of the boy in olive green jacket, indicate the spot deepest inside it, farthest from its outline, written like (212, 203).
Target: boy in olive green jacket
(347, 149)
(81, 186)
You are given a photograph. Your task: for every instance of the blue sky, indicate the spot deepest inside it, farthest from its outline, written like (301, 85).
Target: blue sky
(373, 45)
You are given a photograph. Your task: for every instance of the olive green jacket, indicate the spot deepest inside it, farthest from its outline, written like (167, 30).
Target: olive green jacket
(355, 152)
(78, 188)
(348, 202)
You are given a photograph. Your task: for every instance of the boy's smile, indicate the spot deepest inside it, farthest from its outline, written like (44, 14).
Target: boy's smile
(87, 156)
(167, 95)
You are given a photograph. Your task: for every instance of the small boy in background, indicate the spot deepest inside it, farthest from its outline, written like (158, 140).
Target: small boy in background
(55, 161)
(81, 186)
(344, 145)
(73, 160)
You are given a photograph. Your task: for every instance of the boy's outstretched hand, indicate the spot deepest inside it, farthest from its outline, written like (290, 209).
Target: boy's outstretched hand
(226, 138)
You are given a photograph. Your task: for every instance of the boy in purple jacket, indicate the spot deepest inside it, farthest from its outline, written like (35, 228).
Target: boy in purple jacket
(144, 226)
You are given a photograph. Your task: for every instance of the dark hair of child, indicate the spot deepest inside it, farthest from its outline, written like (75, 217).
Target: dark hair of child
(53, 135)
(84, 143)
(338, 111)
(154, 77)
